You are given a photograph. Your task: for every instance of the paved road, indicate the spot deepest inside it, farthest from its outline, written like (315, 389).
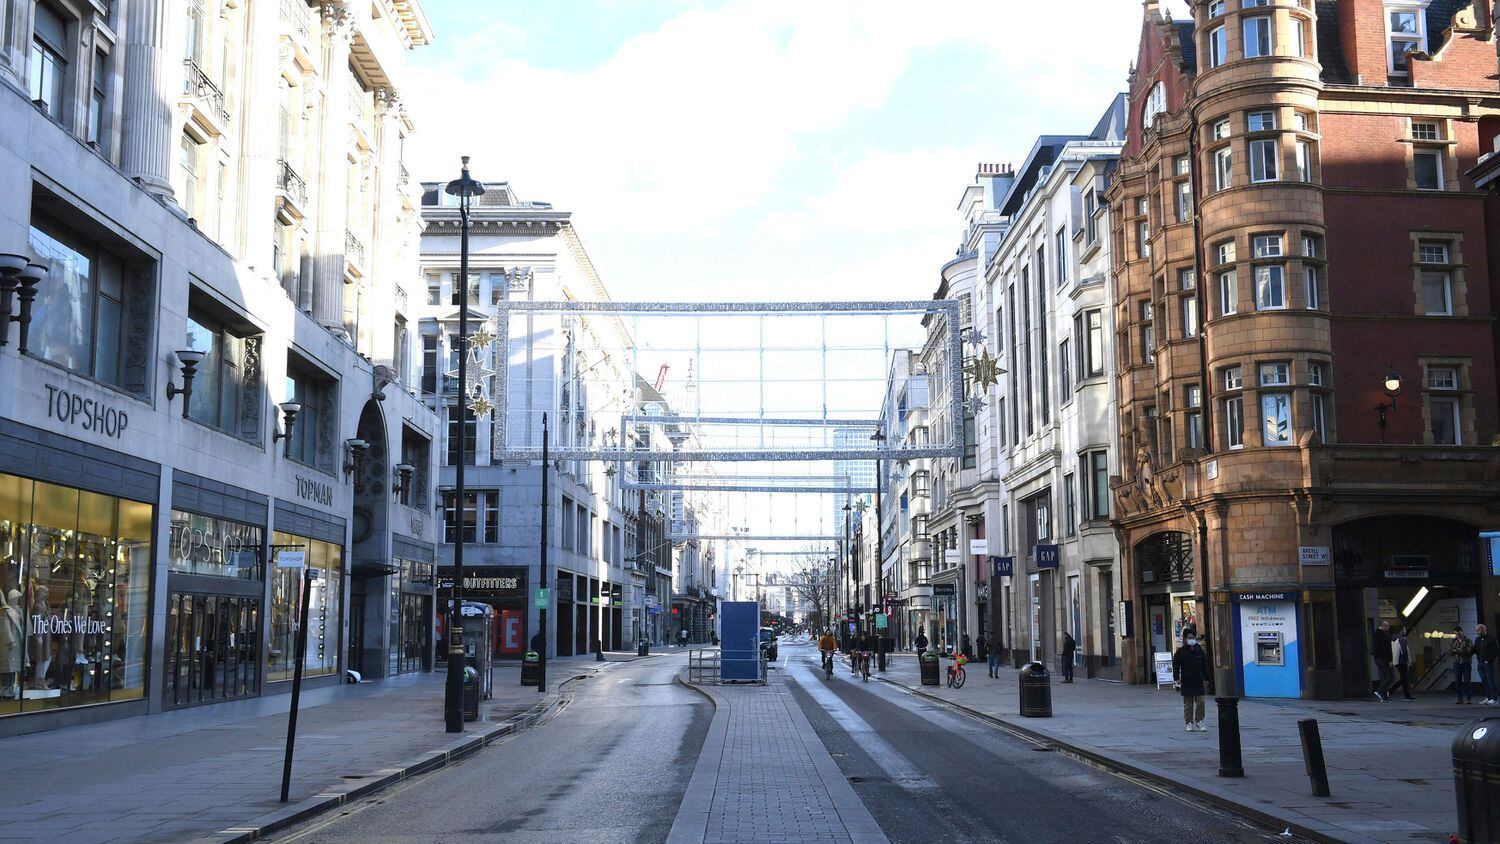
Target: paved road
(611, 767)
(929, 774)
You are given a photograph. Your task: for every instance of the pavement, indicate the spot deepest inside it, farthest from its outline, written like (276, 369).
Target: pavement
(214, 772)
(1389, 766)
(764, 775)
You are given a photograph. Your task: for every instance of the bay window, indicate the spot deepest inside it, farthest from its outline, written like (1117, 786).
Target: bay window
(1276, 419)
(1257, 32)
(1264, 160)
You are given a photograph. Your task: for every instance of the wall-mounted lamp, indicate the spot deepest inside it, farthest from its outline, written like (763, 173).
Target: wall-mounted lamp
(354, 449)
(402, 486)
(289, 411)
(1392, 384)
(187, 360)
(19, 276)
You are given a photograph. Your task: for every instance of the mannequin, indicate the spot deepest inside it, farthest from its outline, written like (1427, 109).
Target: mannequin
(39, 644)
(10, 641)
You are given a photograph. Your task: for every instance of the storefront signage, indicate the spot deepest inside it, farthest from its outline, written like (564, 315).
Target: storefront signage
(1406, 574)
(318, 492)
(486, 583)
(1125, 622)
(1314, 555)
(291, 559)
(979, 547)
(1163, 665)
(1046, 556)
(944, 589)
(1492, 550)
(206, 545)
(617, 594)
(55, 625)
(950, 556)
(86, 414)
(1002, 566)
(1265, 596)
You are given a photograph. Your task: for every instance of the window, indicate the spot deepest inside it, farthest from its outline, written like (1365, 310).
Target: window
(1220, 129)
(1148, 334)
(1443, 411)
(1218, 47)
(1090, 217)
(429, 363)
(98, 99)
(1156, 103)
(1270, 287)
(324, 582)
(1224, 252)
(1184, 201)
(1298, 37)
(1232, 379)
(1250, 4)
(190, 163)
(1318, 405)
(1304, 152)
(1216, 8)
(1234, 422)
(1061, 256)
(77, 316)
(970, 445)
(218, 387)
(473, 290)
(401, 352)
(1228, 296)
(1089, 335)
(1405, 31)
(1301, 122)
(1312, 293)
(1189, 314)
(1442, 378)
(1424, 131)
(48, 66)
(1257, 32)
(1142, 240)
(1437, 293)
(1223, 168)
(1276, 419)
(1095, 468)
(1427, 169)
(315, 394)
(480, 520)
(1260, 121)
(434, 290)
(1181, 166)
(1264, 160)
(1065, 370)
(1193, 401)
(1432, 252)
(1266, 246)
(470, 430)
(1070, 505)
(1275, 374)
(1317, 374)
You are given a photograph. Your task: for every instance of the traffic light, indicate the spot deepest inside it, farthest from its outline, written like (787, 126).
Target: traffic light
(674, 611)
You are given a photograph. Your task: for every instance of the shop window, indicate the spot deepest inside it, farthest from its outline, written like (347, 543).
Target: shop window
(224, 391)
(311, 440)
(204, 545)
(74, 590)
(325, 583)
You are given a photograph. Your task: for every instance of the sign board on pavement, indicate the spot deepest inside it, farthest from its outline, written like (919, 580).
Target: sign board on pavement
(1163, 664)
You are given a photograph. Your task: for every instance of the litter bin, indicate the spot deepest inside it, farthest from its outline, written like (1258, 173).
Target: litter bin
(1476, 778)
(471, 693)
(1036, 691)
(643, 648)
(928, 662)
(531, 669)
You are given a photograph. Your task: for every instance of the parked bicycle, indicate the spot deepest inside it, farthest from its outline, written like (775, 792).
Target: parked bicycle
(956, 675)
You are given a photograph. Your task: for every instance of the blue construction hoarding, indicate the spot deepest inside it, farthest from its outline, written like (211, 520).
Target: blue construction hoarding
(739, 641)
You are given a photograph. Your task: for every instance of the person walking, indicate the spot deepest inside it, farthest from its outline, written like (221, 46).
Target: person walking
(1190, 676)
(966, 647)
(1401, 658)
(920, 643)
(1069, 648)
(983, 647)
(682, 637)
(1381, 649)
(1486, 650)
(1462, 651)
(994, 658)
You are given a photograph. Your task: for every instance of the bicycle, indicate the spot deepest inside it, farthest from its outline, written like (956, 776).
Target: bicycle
(956, 675)
(827, 665)
(864, 665)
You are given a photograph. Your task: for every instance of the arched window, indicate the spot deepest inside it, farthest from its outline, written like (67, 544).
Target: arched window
(1156, 103)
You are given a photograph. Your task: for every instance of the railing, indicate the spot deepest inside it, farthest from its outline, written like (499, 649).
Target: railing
(197, 84)
(354, 250)
(298, 15)
(292, 184)
(703, 666)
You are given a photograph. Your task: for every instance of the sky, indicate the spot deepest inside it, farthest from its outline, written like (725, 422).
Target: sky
(759, 149)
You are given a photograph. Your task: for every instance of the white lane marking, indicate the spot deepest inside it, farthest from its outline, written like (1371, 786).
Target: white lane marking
(622, 680)
(891, 760)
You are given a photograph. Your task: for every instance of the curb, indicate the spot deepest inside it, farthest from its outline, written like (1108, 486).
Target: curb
(1255, 810)
(691, 824)
(311, 807)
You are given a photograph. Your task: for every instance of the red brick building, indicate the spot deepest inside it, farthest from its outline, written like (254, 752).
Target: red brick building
(1306, 338)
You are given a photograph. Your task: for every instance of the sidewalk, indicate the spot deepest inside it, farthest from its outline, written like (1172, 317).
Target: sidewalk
(1388, 763)
(214, 772)
(764, 775)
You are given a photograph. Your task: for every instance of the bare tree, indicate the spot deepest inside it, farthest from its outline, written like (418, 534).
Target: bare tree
(812, 577)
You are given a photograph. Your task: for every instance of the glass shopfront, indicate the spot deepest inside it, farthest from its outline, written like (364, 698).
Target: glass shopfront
(501, 587)
(215, 547)
(213, 610)
(75, 570)
(411, 617)
(326, 582)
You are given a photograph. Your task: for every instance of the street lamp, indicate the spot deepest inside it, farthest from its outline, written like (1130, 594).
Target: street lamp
(1392, 384)
(879, 563)
(465, 188)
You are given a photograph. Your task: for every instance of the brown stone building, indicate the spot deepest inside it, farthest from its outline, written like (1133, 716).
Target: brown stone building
(1306, 337)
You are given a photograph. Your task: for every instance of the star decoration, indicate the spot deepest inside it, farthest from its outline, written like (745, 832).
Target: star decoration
(972, 335)
(983, 371)
(481, 338)
(973, 406)
(480, 406)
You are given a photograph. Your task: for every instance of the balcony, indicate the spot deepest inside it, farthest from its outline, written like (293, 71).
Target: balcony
(354, 250)
(292, 186)
(297, 16)
(197, 86)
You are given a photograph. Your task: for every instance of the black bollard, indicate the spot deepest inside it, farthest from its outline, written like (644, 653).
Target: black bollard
(1312, 756)
(1230, 764)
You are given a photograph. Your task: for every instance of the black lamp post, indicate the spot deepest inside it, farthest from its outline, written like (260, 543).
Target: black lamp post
(879, 563)
(1392, 389)
(465, 189)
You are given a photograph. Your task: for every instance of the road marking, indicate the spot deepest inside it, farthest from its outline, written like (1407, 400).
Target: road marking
(891, 760)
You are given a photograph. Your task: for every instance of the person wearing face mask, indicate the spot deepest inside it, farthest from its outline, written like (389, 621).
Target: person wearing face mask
(1190, 676)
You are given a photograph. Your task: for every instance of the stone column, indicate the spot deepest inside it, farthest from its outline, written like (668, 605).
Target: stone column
(328, 253)
(146, 116)
(15, 30)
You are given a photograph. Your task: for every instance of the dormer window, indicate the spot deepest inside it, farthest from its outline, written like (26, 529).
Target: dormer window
(1406, 31)
(1156, 103)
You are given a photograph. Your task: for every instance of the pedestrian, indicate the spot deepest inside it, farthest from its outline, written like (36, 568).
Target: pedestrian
(920, 643)
(966, 647)
(1070, 647)
(1486, 650)
(1462, 651)
(1380, 651)
(1190, 676)
(1401, 658)
(983, 646)
(993, 657)
(682, 637)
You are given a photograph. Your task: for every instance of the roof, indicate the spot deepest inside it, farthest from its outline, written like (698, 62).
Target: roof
(1330, 45)
(1187, 44)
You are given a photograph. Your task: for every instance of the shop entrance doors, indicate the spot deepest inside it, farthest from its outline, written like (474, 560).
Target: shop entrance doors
(212, 647)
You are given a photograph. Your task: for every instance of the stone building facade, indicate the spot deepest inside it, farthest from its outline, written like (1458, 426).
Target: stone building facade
(155, 539)
(1305, 341)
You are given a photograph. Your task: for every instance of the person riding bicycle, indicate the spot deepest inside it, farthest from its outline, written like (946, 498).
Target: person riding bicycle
(862, 647)
(827, 645)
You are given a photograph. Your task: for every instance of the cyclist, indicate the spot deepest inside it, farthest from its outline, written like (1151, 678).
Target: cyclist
(861, 651)
(826, 646)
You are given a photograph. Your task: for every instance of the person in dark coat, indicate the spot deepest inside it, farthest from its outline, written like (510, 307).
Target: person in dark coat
(1069, 647)
(920, 643)
(983, 646)
(1401, 658)
(1380, 651)
(1486, 650)
(1190, 676)
(966, 647)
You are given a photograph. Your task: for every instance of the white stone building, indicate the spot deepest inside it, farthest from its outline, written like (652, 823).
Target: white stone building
(176, 228)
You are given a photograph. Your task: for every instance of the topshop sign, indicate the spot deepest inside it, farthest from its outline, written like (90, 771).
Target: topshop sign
(89, 415)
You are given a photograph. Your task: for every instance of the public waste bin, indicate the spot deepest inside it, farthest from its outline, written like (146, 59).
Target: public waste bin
(531, 669)
(1036, 691)
(1476, 779)
(471, 693)
(928, 662)
(643, 648)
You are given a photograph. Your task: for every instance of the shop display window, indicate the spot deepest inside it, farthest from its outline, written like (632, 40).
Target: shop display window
(218, 547)
(74, 586)
(326, 560)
